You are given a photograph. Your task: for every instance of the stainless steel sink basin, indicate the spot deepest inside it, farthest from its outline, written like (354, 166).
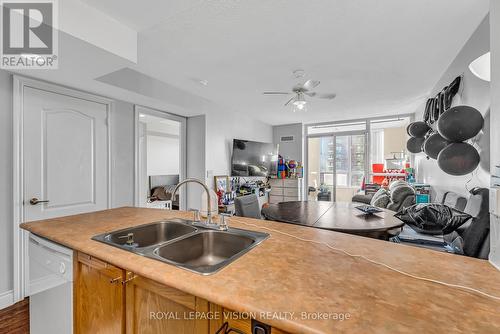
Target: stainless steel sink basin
(147, 235)
(206, 251)
(189, 245)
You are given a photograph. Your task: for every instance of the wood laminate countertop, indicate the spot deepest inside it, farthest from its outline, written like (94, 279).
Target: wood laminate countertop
(319, 285)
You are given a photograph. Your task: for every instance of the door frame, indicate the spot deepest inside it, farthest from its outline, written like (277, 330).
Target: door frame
(20, 244)
(139, 109)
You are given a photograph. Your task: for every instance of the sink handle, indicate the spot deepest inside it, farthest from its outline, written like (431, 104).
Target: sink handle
(196, 214)
(224, 221)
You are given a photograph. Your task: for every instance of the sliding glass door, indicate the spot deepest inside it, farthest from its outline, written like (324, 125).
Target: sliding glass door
(350, 165)
(336, 166)
(320, 171)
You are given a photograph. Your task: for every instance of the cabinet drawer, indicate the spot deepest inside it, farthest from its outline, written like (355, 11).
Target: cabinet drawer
(290, 199)
(275, 199)
(103, 267)
(275, 191)
(291, 183)
(290, 192)
(276, 182)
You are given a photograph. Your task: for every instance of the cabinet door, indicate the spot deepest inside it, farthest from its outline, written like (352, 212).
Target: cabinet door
(242, 323)
(154, 308)
(99, 297)
(290, 183)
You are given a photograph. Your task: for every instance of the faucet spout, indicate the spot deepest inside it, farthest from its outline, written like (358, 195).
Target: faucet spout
(209, 203)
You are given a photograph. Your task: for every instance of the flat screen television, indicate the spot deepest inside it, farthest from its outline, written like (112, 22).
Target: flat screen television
(252, 158)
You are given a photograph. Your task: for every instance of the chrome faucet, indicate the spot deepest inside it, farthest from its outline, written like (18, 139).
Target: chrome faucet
(209, 203)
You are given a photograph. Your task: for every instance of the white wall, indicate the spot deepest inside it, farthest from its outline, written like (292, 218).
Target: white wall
(6, 232)
(495, 119)
(394, 141)
(475, 93)
(290, 150)
(162, 155)
(222, 128)
(196, 160)
(122, 147)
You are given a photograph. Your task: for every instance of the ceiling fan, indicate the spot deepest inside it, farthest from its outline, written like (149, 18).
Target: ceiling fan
(298, 99)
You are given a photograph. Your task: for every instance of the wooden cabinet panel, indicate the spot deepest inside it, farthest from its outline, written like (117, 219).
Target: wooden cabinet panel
(109, 300)
(98, 297)
(154, 308)
(243, 324)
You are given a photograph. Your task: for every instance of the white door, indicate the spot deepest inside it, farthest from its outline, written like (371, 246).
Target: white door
(65, 148)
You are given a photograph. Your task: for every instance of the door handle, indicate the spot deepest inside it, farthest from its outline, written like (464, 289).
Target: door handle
(35, 201)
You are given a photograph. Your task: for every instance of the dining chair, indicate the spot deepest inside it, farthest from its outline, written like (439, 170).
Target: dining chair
(248, 206)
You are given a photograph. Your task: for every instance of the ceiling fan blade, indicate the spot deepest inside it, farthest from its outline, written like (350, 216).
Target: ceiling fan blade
(293, 98)
(310, 84)
(311, 94)
(326, 96)
(276, 93)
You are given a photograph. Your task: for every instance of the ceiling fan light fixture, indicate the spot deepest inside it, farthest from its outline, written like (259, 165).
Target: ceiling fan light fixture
(301, 106)
(300, 103)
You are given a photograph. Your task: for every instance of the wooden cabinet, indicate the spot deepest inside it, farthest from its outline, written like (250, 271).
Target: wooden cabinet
(242, 324)
(99, 303)
(155, 308)
(110, 300)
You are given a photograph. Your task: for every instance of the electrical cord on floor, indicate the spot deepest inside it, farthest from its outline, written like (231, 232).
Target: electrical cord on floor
(484, 294)
(225, 329)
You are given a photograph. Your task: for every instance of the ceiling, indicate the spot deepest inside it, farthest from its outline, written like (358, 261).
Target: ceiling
(380, 57)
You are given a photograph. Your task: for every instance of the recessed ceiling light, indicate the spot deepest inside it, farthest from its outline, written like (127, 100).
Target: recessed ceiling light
(481, 67)
(142, 115)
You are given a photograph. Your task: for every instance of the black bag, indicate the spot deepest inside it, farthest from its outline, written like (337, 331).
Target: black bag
(427, 112)
(433, 218)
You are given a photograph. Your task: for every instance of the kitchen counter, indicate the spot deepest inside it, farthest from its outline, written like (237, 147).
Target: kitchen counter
(327, 290)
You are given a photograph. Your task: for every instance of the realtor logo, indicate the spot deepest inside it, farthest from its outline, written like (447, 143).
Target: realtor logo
(29, 34)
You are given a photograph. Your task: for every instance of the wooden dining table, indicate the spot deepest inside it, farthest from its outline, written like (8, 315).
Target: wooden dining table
(338, 216)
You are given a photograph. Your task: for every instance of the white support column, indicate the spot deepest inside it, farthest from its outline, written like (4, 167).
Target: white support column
(495, 126)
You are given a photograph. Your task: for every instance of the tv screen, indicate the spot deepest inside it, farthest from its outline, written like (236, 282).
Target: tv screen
(252, 158)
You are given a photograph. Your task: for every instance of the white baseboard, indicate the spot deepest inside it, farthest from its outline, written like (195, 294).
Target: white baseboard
(494, 256)
(495, 265)
(6, 299)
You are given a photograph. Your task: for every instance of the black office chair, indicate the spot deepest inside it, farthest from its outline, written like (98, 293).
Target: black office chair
(248, 206)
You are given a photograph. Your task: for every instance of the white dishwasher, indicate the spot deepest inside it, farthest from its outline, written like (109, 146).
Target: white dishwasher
(49, 285)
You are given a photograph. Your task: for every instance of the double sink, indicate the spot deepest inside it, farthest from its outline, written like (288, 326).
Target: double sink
(185, 244)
